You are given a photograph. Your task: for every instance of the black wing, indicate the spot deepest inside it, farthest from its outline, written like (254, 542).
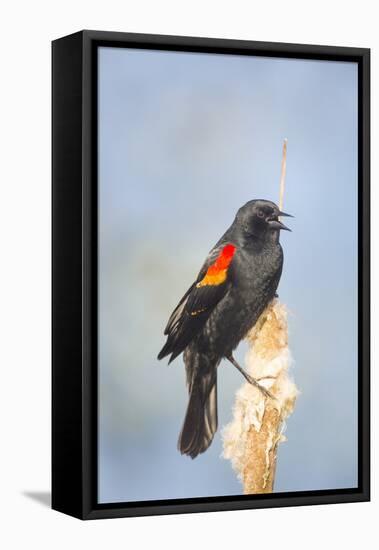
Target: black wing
(194, 309)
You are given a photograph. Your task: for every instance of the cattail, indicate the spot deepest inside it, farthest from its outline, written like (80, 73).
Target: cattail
(251, 439)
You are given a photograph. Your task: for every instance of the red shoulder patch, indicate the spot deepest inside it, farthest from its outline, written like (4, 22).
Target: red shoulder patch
(217, 272)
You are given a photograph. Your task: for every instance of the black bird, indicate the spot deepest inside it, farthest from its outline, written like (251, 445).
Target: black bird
(237, 281)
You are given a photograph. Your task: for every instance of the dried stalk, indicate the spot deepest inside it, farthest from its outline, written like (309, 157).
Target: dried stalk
(283, 175)
(251, 439)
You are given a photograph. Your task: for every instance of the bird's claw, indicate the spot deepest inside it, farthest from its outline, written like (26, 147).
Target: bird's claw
(261, 388)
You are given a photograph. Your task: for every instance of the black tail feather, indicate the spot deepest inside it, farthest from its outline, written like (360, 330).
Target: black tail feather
(200, 422)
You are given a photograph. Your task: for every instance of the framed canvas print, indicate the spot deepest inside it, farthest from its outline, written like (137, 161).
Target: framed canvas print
(210, 275)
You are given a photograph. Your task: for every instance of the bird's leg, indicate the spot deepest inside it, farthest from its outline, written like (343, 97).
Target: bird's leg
(249, 378)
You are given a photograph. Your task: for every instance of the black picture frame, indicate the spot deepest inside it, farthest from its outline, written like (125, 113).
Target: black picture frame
(74, 273)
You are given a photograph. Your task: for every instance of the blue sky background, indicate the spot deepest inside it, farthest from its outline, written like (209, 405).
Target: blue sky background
(184, 140)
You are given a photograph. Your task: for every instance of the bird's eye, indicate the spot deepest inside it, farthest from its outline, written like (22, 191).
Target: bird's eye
(260, 214)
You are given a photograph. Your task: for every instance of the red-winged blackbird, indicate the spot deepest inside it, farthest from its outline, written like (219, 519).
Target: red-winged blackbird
(237, 281)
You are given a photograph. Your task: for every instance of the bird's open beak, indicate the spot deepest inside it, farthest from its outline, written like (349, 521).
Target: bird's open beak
(277, 224)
